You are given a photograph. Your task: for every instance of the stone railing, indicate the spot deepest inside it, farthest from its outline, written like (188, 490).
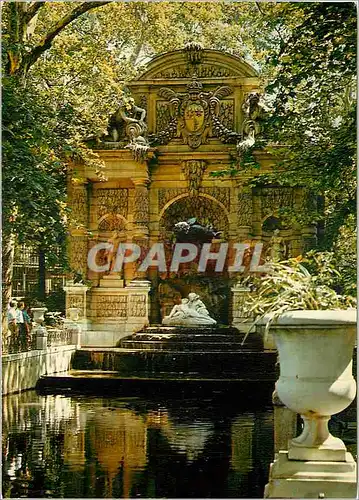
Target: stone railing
(61, 333)
(46, 337)
(58, 336)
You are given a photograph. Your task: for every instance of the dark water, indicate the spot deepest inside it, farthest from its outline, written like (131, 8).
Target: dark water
(98, 447)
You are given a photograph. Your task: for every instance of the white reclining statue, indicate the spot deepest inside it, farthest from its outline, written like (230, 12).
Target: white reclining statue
(191, 312)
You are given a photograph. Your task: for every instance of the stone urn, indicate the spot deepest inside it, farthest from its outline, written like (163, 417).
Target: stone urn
(38, 313)
(315, 356)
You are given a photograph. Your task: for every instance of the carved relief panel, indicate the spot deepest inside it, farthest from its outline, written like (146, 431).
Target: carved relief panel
(275, 198)
(141, 205)
(76, 301)
(78, 254)
(79, 204)
(138, 305)
(222, 194)
(167, 194)
(114, 201)
(245, 207)
(107, 306)
(193, 171)
(202, 71)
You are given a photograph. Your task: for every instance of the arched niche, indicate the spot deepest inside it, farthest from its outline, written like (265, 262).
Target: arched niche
(112, 222)
(205, 208)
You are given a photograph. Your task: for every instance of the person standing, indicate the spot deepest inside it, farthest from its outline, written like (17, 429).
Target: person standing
(25, 327)
(13, 326)
(21, 327)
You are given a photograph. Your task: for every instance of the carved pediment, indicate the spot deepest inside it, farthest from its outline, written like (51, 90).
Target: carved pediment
(209, 64)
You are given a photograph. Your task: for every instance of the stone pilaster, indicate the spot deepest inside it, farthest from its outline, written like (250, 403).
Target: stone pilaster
(76, 298)
(141, 208)
(141, 219)
(78, 240)
(244, 213)
(285, 424)
(309, 237)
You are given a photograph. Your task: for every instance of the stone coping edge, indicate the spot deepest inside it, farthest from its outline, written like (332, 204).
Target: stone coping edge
(37, 352)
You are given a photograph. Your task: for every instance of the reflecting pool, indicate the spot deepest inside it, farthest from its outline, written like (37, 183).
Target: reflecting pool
(112, 447)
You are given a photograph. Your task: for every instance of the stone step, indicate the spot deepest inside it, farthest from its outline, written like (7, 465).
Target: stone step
(185, 345)
(106, 381)
(186, 336)
(183, 330)
(232, 363)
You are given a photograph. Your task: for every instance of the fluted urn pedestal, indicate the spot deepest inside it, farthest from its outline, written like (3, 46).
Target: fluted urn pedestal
(315, 356)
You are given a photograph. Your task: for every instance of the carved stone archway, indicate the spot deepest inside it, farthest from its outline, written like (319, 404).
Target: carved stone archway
(205, 208)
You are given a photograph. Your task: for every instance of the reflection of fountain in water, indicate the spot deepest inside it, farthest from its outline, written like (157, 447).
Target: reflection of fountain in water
(189, 439)
(119, 439)
(185, 438)
(242, 442)
(113, 448)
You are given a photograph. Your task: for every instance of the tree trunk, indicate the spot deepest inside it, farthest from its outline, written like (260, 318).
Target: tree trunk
(8, 252)
(42, 275)
(22, 18)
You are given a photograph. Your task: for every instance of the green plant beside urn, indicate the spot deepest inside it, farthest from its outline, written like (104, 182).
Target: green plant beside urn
(314, 329)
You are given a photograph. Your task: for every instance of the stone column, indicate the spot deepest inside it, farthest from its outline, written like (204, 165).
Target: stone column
(307, 200)
(309, 237)
(257, 215)
(141, 207)
(244, 213)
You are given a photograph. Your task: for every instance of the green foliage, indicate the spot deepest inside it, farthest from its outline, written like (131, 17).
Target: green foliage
(307, 57)
(337, 268)
(313, 115)
(33, 176)
(289, 286)
(56, 301)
